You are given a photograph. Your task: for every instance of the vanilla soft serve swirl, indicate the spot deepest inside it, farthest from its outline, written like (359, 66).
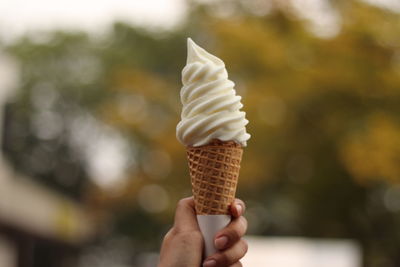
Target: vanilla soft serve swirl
(211, 108)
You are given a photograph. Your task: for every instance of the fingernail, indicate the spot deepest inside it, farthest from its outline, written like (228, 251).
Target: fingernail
(221, 242)
(239, 209)
(210, 263)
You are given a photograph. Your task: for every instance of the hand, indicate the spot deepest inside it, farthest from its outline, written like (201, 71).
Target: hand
(183, 244)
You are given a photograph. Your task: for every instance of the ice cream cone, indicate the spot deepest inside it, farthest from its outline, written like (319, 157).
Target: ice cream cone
(214, 170)
(213, 129)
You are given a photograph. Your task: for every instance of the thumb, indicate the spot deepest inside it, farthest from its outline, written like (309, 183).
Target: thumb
(185, 216)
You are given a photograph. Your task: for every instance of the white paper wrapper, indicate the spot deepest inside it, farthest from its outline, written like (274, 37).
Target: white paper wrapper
(209, 227)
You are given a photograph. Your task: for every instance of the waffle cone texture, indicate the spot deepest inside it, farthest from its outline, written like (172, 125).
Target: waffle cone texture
(214, 171)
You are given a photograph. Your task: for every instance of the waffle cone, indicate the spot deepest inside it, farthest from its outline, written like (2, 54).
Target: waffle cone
(214, 171)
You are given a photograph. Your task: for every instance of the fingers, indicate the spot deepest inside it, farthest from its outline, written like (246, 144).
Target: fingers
(229, 256)
(237, 208)
(231, 234)
(185, 216)
(229, 240)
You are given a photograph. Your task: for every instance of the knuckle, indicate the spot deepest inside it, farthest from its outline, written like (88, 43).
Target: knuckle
(183, 202)
(222, 259)
(232, 256)
(245, 246)
(233, 234)
(244, 223)
(237, 229)
(173, 232)
(168, 236)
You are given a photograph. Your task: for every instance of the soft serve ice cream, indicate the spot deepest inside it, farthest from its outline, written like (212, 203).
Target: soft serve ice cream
(211, 108)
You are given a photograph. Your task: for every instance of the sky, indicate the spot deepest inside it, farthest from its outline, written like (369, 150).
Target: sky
(20, 16)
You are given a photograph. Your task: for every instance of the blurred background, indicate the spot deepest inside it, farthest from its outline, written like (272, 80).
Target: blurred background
(91, 171)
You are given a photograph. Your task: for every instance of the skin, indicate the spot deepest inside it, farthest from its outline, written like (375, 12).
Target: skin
(183, 244)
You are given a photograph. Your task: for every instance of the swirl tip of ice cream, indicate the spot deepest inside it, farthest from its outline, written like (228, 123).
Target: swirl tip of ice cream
(196, 53)
(211, 108)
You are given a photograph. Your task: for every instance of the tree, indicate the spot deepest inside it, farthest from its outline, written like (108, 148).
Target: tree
(324, 118)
